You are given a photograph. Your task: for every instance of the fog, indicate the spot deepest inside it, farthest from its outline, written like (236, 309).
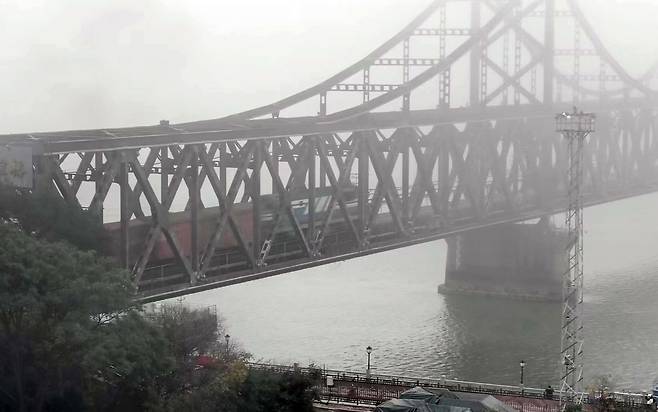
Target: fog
(73, 64)
(69, 64)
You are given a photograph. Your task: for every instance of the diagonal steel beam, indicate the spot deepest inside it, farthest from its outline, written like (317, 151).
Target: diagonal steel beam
(510, 81)
(160, 223)
(337, 193)
(62, 184)
(137, 192)
(227, 207)
(285, 204)
(515, 81)
(378, 197)
(218, 190)
(83, 167)
(425, 170)
(391, 194)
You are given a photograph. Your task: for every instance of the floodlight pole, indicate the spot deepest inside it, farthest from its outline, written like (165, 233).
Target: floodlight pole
(575, 127)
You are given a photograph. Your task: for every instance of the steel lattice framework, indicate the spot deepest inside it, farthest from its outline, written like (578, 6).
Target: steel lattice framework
(446, 127)
(575, 127)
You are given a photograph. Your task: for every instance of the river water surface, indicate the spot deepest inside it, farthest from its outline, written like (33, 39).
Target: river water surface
(328, 315)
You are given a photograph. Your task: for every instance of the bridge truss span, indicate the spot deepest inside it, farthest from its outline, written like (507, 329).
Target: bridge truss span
(446, 127)
(198, 215)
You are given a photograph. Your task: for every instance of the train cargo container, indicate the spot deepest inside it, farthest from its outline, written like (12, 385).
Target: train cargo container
(180, 225)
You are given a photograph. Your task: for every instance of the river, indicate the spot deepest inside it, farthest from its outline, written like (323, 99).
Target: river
(328, 315)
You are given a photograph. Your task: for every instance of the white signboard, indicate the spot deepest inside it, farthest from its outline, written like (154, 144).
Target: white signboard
(16, 166)
(330, 381)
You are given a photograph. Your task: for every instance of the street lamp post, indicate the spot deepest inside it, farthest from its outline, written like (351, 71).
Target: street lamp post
(522, 365)
(368, 351)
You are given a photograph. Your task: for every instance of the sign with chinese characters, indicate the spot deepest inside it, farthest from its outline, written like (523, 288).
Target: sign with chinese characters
(16, 166)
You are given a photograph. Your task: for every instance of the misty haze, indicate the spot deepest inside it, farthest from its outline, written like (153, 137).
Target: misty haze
(346, 205)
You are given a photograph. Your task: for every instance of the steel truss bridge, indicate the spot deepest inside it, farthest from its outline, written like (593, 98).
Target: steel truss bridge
(447, 127)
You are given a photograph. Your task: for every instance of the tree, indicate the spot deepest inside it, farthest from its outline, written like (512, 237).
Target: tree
(599, 391)
(227, 384)
(43, 213)
(265, 390)
(132, 365)
(71, 339)
(234, 387)
(64, 321)
(219, 391)
(190, 332)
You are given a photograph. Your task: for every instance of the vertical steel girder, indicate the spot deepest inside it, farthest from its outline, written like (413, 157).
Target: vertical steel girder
(476, 54)
(549, 52)
(255, 193)
(363, 188)
(124, 194)
(194, 193)
(444, 77)
(406, 52)
(312, 182)
(98, 165)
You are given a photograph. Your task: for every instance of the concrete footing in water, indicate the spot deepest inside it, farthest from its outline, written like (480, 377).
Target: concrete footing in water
(513, 260)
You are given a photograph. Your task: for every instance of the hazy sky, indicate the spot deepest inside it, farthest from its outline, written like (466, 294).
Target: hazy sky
(102, 63)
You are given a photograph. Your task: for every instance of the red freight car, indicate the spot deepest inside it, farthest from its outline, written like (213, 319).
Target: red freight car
(179, 224)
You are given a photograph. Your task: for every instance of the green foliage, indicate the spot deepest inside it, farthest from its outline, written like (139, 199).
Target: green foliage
(601, 385)
(189, 332)
(71, 340)
(227, 384)
(44, 214)
(132, 365)
(269, 391)
(235, 388)
(572, 407)
(65, 326)
(600, 388)
(220, 391)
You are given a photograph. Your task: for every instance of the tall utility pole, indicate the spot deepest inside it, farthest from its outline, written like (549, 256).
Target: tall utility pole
(575, 127)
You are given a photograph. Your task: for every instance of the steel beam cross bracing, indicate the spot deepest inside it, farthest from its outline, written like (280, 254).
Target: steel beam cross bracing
(575, 127)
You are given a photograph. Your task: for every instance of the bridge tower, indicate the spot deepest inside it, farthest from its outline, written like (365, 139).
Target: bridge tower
(575, 127)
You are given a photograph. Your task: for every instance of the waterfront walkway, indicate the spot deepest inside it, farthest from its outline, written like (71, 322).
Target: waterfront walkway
(359, 389)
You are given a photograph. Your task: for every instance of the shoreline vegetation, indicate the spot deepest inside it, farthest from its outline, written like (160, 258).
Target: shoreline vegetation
(72, 338)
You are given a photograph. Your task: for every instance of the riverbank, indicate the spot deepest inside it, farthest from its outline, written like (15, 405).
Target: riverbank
(345, 389)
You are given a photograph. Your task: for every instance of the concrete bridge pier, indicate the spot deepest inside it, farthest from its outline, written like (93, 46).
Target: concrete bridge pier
(513, 260)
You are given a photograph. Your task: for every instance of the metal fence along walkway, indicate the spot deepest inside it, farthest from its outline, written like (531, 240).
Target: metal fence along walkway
(373, 389)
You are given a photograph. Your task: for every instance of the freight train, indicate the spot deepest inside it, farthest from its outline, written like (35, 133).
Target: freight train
(180, 226)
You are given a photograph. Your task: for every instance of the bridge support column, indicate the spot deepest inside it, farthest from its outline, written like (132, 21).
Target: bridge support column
(476, 54)
(523, 261)
(124, 190)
